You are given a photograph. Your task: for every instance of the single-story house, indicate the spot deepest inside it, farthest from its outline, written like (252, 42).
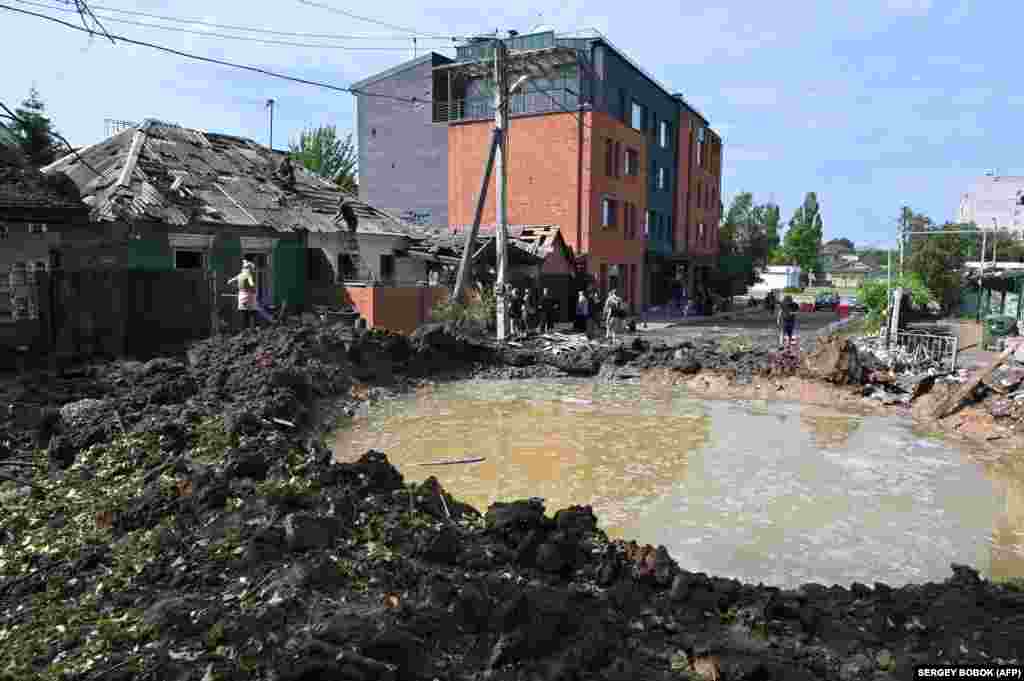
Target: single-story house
(171, 198)
(35, 211)
(850, 275)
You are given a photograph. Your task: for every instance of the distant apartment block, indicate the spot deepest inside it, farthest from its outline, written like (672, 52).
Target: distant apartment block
(994, 201)
(628, 170)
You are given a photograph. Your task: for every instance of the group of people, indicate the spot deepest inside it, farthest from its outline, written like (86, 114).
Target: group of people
(592, 312)
(528, 312)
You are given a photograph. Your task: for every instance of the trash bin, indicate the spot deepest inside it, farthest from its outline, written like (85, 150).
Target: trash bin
(997, 327)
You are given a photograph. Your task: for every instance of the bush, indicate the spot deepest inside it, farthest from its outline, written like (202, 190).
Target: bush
(874, 296)
(793, 289)
(478, 306)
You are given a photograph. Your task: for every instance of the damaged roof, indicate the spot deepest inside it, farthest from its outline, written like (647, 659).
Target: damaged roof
(22, 187)
(539, 240)
(162, 172)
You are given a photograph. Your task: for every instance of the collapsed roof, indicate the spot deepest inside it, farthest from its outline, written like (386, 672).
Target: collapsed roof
(161, 172)
(25, 189)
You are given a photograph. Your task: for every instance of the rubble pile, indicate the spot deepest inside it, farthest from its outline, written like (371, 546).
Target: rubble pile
(183, 519)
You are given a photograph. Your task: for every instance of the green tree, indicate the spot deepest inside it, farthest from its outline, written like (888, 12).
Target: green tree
(32, 131)
(772, 220)
(802, 242)
(873, 294)
(322, 152)
(844, 242)
(937, 259)
(734, 224)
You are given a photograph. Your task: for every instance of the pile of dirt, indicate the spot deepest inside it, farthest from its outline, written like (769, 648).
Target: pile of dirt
(185, 520)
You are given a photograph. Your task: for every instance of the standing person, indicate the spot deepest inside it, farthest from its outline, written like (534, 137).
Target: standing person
(596, 308)
(246, 293)
(527, 311)
(549, 309)
(582, 313)
(684, 299)
(612, 315)
(515, 312)
(785, 320)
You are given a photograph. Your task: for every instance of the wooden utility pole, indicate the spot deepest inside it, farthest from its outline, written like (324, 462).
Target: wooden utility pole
(500, 120)
(465, 265)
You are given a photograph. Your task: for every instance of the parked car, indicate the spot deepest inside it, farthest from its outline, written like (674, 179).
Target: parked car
(826, 301)
(853, 303)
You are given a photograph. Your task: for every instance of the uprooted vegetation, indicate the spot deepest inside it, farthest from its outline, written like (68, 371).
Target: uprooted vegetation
(177, 521)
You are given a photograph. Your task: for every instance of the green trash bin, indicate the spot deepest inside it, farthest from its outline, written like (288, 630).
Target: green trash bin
(998, 326)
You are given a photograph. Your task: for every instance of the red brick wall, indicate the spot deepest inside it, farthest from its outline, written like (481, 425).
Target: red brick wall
(542, 172)
(609, 245)
(397, 308)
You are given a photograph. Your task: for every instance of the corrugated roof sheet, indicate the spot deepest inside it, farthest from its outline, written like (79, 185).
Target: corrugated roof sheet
(184, 176)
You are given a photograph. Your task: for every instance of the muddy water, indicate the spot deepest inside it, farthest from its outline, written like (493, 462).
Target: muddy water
(774, 492)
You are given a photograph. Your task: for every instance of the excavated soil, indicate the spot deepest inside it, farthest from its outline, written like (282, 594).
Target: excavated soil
(184, 520)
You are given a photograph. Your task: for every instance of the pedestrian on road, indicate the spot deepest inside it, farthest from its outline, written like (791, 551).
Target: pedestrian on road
(785, 320)
(246, 293)
(613, 314)
(529, 311)
(582, 313)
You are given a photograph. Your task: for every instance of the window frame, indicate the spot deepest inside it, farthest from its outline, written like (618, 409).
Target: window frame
(203, 258)
(662, 178)
(637, 111)
(609, 210)
(632, 161)
(664, 134)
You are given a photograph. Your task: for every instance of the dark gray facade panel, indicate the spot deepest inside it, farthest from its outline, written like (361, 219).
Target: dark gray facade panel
(620, 77)
(403, 156)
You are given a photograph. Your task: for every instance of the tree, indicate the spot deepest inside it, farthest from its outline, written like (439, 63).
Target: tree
(322, 152)
(802, 242)
(734, 224)
(772, 221)
(937, 259)
(32, 131)
(844, 242)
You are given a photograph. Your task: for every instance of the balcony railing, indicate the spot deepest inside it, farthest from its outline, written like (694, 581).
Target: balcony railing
(521, 103)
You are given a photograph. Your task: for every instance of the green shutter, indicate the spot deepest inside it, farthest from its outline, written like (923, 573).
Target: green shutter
(226, 255)
(289, 265)
(152, 253)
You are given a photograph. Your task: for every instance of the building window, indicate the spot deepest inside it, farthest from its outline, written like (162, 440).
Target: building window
(618, 156)
(664, 134)
(623, 105)
(609, 208)
(662, 180)
(5, 232)
(700, 233)
(346, 267)
(639, 116)
(609, 158)
(700, 147)
(654, 175)
(649, 223)
(188, 260)
(36, 228)
(387, 266)
(632, 162)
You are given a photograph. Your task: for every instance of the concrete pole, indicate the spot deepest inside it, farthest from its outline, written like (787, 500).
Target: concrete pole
(465, 265)
(501, 99)
(270, 105)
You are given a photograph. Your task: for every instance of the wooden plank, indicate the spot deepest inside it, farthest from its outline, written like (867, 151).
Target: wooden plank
(963, 393)
(454, 461)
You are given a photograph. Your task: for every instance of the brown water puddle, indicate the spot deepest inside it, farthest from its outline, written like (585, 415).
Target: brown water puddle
(756, 489)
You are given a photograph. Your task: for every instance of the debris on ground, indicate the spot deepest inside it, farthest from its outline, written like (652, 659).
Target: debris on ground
(183, 519)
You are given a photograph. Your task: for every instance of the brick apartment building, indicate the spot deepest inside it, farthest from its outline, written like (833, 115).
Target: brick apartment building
(629, 171)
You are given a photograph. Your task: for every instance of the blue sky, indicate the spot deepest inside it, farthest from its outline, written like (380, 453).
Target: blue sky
(871, 104)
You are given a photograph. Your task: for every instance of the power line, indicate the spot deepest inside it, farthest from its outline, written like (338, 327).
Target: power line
(211, 60)
(182, 20)
(210, 34)
(346, 13)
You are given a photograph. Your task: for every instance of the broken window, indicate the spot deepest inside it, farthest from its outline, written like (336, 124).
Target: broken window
(346, 267)
(387, 266)
(188, 260)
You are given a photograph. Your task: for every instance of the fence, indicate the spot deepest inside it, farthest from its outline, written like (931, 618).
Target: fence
(915, 350)
(106, 313)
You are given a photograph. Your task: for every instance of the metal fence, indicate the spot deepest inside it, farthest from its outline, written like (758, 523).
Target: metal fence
(915, 350)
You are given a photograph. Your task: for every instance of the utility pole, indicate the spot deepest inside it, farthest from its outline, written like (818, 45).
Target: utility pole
(270, 105)
(500, 120)
(465, 265)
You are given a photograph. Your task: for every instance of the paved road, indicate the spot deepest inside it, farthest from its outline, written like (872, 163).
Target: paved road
(757, 326)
